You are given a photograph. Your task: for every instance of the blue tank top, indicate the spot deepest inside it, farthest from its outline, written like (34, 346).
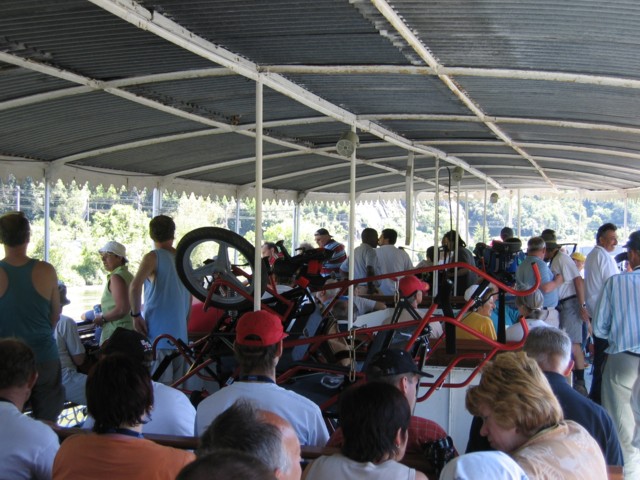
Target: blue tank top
(25, 314)
(166, 301)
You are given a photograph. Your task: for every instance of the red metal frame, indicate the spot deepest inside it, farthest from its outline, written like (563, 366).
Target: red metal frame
(197, 350)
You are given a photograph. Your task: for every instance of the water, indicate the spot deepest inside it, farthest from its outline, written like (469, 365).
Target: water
(82, 299)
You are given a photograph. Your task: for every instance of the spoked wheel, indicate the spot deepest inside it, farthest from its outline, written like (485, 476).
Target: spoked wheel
(207, 254)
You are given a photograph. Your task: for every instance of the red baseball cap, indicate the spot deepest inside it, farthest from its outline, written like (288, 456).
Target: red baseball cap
(266, 326)
(411, 284)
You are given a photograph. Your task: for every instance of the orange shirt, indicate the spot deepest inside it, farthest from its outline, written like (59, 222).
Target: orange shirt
(109, 456)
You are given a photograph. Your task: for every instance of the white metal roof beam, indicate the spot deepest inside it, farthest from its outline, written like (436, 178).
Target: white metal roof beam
(401, 27)
(166, 28)
(513, 74)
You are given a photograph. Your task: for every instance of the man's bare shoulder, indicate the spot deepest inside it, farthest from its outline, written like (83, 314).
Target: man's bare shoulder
(45, 269)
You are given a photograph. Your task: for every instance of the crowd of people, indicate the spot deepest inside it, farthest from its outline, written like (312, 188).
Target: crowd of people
(523, 407)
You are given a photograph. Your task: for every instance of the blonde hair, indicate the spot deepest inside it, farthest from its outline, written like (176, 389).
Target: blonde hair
(518, 394)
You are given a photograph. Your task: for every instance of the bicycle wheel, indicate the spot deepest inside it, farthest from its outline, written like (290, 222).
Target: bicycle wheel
(209, 253)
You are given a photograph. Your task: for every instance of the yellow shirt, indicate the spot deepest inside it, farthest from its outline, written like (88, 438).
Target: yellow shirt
(479, 323)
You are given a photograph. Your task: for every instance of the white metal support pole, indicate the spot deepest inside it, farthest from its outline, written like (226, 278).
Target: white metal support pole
(519, 212)
(626, 214)
(47, 215)
(237, 213)
(484, 215)
(466, 216)
(436, 220)
(17, 198)
(352, 226)
(579, 240)
(455, 255)
(157, 201)
(296, 227)
(408, 199)
(257, 294)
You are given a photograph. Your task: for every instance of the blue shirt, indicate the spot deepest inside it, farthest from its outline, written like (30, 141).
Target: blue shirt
(525, 278)
(617, 315)
(166, 301)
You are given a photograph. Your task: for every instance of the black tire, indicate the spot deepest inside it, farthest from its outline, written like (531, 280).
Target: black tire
(215, 244)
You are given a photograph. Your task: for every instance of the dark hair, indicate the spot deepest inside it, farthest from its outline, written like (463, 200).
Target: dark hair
(430, 253)
(391, 235)
(225, 464)
(369, 235)
(604, 229)
(119, 391)
(255, 359)
(162, 228)
(240, 427)
(14, 229)
(270, 245)
(451, 236)
(370, 416)
(506, 232)
(17, 363)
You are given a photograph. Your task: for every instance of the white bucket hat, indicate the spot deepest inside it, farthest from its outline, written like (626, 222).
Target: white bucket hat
(115, 248)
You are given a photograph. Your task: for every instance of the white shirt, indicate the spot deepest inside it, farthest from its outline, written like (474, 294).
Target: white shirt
(339, 467)
(598, 266)
(391, 260)
(68, 342)
(363, 256)
(27, 446)
(514, 333)
(564, 264)
(302, 413)
(172, 414)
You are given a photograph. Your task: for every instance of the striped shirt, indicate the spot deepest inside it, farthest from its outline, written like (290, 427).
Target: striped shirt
(617, 315)
(332, 265)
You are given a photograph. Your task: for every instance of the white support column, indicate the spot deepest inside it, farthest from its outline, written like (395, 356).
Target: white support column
(436, 220)
(466, 216)
(455, 255)
(580, 200)
(484, 215)
(257, 294)
(157, 201)
(296, 227)
(408, 198)
(47, 215)
(17, 198)
(237, 212)
(626, 215)
(519, 213)
(352, 226)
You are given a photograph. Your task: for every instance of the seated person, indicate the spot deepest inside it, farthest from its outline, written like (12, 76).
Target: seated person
(530, 307)
(397, 368)
(257, 349)
(224, 464)
(173, 413)
(489, 465)
(27, 446)
(479, 318)
(265, 435)
(120, 399)
(360, 304)
(72, 353)
(522, 417)
(375, 418)
(413, 289)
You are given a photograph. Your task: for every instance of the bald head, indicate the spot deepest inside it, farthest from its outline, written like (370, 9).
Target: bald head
(290, 442)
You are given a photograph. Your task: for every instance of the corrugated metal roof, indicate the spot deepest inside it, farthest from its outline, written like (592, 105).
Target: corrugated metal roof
(520, 93)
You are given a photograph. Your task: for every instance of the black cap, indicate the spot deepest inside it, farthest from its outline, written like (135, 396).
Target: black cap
(393, 362)
(322, 231)
(130, 343)
(634, 241)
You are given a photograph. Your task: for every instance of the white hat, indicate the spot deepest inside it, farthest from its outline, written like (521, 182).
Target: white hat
(494, 465)
(115, 248)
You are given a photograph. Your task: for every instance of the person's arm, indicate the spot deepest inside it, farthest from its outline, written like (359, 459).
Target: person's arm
(45, 280)
(578, 283)
(558, 280)
(120, 295)
(146, 270)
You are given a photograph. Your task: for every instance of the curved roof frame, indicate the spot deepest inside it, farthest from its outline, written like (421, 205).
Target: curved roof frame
(384, 144)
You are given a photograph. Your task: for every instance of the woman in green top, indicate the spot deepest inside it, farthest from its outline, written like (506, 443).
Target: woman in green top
(116, 310)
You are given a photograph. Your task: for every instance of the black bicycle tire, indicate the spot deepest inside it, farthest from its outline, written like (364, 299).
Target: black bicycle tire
(220, 235)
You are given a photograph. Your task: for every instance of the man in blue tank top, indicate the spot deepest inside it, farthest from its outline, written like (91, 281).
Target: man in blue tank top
(167, 302)
(29, 310)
